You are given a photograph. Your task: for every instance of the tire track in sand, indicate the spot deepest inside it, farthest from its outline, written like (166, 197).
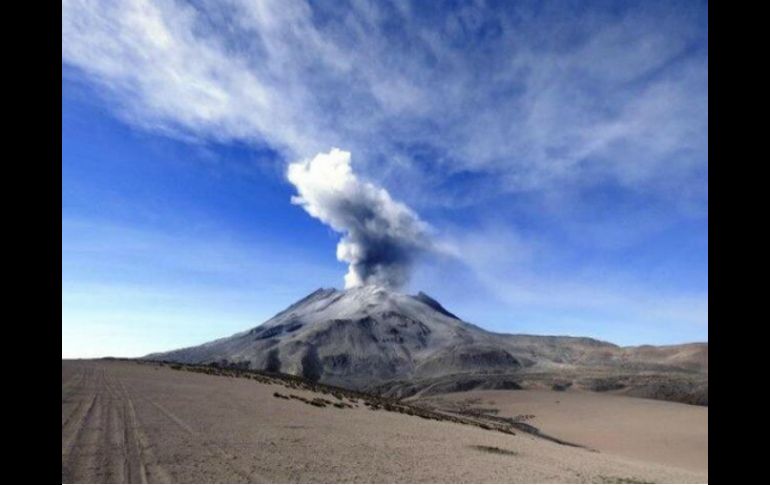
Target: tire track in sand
(70, 386)
(214, 449)
(115, 443)
(72, 390)
(113, 463)
(72, 425)
(102, 440)
(79, 454)
(139, 464)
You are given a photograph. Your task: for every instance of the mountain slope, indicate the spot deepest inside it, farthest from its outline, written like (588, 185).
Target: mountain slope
(373, 338)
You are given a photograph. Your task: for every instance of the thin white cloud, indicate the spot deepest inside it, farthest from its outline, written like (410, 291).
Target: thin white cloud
(528, 272)
(491, 93)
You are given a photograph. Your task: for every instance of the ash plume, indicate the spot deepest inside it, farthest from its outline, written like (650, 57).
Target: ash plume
(381, 237)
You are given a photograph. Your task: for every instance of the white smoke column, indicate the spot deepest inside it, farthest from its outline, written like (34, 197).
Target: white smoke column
(381, 236)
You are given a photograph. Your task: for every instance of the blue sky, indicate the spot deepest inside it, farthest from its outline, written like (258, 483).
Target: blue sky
(559, 149)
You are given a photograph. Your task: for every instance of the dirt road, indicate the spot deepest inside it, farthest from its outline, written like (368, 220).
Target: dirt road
(102, 439)
(131, 422)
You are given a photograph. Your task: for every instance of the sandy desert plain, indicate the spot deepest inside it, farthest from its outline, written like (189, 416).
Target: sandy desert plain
(130, 421)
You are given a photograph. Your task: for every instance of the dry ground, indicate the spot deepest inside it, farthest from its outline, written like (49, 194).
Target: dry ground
(131, 422)
(653, 431)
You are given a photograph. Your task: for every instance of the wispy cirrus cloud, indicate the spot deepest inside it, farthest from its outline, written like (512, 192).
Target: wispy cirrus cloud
(511, 281)
(529, 95)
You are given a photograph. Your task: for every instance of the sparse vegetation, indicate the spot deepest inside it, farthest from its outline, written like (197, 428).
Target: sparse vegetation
(373, 402)
(561, 386)
(494, 449)
(463, 413)
(606, 479)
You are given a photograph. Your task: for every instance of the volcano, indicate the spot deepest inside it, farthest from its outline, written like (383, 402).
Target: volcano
(375, 339)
